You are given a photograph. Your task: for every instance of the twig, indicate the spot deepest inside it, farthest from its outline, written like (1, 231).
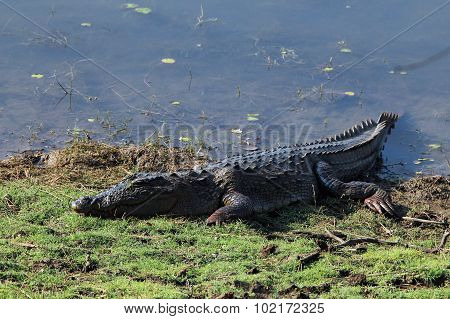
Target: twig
(201, 18)
(441, 244)
(310, 234)
(190, 80)
(145, 112)
(26, 245)
(333, 236)
(5, 25)
(304, 260)
(368, 240)
(425, 221)
(386, 229)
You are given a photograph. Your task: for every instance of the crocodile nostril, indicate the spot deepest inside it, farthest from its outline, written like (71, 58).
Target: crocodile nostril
(81, 205)
(75, 205)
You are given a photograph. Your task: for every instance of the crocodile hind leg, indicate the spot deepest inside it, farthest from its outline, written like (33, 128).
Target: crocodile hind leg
(375, 198)
(236, 206)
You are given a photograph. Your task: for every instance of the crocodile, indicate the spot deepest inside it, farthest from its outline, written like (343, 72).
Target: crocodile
(261, 181)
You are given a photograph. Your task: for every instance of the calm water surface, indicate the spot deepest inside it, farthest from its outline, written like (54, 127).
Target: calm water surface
(275, 70)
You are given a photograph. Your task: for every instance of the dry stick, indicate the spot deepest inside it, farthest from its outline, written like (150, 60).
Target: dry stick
(441, 244)
(190, 80)
(310, 257)
(385, 229)
(333, 236)
(310, 234)
(369, 240)
(425, 221)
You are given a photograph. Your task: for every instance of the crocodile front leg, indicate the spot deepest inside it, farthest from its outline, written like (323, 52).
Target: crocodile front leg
(236, 206)
(374, 197)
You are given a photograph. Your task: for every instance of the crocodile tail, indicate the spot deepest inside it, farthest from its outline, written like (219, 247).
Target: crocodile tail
(371, 147)
(386, 122)
(351, 160)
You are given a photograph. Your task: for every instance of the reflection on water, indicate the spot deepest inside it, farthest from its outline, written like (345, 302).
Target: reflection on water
(242, 66)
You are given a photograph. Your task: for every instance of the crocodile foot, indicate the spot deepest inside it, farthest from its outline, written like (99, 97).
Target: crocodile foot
(380, 202)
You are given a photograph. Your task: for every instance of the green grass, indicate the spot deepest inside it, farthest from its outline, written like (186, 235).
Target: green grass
(47, 251)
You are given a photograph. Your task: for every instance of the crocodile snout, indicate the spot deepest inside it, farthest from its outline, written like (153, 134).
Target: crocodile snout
(82, 205)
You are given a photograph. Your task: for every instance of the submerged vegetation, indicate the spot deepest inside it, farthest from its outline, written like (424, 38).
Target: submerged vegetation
(47, 251)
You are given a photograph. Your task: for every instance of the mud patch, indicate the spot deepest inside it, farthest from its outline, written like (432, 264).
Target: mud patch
(268, 250)
(414, 282)
(357, 280)
(305, 292)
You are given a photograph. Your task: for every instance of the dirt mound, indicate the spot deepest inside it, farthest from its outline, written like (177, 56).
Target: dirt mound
(428, 187)
(96, 164)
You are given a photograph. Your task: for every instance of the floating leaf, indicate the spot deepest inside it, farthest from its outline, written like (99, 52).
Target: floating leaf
(434, 146)
(37, 76)
(236, 131)
(175, 103)
(91, 120)
(130, 5)
(168, 61)
(327, 69)
(349, 93)
(185, 139)
(425, 159)
(86, 24)
(346, 50)
(144, 10)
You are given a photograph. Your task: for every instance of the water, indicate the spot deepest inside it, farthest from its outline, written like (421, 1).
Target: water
(256, 66)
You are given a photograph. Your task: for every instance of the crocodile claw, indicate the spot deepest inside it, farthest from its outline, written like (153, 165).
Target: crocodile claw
(213, 222)
(380, 202)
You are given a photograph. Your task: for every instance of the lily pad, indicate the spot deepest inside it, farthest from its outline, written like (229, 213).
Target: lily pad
(144, 10)
(130, 5)
(37, 76)
(434, 146)
(86, 24)
(168, 61)
(185, 139)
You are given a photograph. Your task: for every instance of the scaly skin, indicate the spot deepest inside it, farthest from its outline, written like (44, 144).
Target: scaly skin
(262, 181)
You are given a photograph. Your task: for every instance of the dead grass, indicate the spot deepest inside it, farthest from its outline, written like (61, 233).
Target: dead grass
(95, 165)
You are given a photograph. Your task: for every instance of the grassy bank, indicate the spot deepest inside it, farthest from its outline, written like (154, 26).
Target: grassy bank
(47, 251)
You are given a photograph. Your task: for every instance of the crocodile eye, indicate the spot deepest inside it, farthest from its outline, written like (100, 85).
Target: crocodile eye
(139, 182)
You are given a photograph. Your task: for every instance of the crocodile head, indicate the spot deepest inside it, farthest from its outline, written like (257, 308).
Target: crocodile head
(148, 194)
